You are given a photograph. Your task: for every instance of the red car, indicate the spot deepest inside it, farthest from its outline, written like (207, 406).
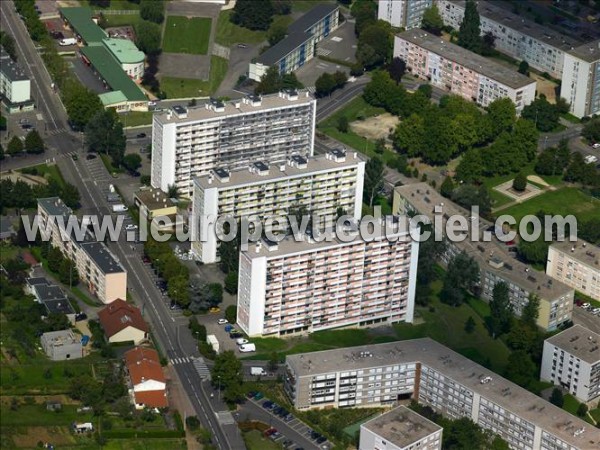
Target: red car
(270, 431)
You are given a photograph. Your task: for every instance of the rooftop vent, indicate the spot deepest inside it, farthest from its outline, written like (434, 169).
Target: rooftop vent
(180, 111)
(259, 168)
(336, 154)
(298, 161)
(221, 174)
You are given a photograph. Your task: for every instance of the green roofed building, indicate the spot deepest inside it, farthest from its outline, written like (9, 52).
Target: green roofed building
(113, 99)
(80, 21)
(128, 55)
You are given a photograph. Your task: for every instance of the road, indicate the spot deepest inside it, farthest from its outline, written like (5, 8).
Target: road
(586, 319)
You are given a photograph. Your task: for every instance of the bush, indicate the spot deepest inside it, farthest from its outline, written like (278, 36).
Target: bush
(520, 182)
(231, 313)
(192, 423)
(342, 124)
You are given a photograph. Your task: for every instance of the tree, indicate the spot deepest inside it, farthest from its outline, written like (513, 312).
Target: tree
(132, 162)
(544, 115)
(253, 14)
(227, 371)
(409, 135)
(152, 10)
(282, 7)
(81, 104)
(591, 130)
(432, 20)
(375, 44)
(470, 168)
(524, 68)
(488, 44)
(231, 313)
(34, 142)
(104, 134)
(340, 79)
(502, 116)
(397, 69)
(231, 282)
(582, 410)
(520, 368)
(273, 363)
(178, 290)
(8, 43)
(470, 325)
(272, 81)
(67, 272)
(276, 33)
(447, 187)
(148, 38)
(469, 34)
(557, 398)
(342, 124)
(15, 146)
(520, 182)
(531, 311)
(468, 195)
(462, 274)
(364, 13)
(373, 179)
(500, 310)
(325, 84)
(70, 195)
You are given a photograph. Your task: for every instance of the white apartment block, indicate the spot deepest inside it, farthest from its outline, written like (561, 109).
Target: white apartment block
(98, 268)
(576, 264)
(187, 143)
(571, 360)
(435, 376)
(15, 86)
(403, 13)
(581, 79)
(462, 72)
(543, 48)
(297, 286)
(318, 185)
(400, 429)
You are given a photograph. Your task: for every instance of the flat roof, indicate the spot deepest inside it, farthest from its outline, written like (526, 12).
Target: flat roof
(580, 342)
(10, 68)
(589, 52)
(424, 199)
(102, 256)
(112, 98)
(54, 206)
(310, 18)
(61, 337)
(154, 199)
(110, 70)
(582, 251)
(234, 108)
(48, 291)
(402, 426)
(124, 50)
(436, 356)
(59, 306)
(80, 19)
(466, 58)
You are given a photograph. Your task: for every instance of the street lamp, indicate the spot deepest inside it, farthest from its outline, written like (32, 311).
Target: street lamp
(219, 386)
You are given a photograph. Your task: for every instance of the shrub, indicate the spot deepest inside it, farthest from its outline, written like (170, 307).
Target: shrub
(520, 182)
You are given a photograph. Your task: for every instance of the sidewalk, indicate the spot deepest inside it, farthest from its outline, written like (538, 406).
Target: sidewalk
(181, 403)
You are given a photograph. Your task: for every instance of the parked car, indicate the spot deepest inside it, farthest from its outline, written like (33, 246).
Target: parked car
(321, 440)
(216, 309)
(267, 404)
(241, 341)
(275, 436)
(251, 394)
(141, 135)
(222, 321)
(90, 156)
(270, 431)
(235, 335)
(258, 396)
(228, 328)
(131, 227)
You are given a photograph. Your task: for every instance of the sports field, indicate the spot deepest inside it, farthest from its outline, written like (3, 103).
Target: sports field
(187, 35)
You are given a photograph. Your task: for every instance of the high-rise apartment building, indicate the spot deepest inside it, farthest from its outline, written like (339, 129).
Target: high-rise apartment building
(571, 360)
(190, 142)
(15, 86)
(461, 71)
(403, 13)
(581, 79)
(299, 286)
(434, 376)
(576, 264)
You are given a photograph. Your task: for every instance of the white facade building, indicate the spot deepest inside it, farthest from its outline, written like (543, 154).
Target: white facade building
(187, 143)
(403, 13)
(571, 360)
(297, 286)
(15, 86)
(581, 79)
(319, 185)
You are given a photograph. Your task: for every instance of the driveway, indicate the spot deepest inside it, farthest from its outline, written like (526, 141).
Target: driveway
(239, 59)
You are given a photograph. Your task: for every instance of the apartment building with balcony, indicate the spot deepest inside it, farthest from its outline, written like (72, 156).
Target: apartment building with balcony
(434, 376)
(460, 71)
(571, 360)
(403, 13)
(576, 264)
(542, 47)
(190, 142)
(300, 285)
(581, 79)
(98, 268)
(320, 186)
(496, 263)
(15, 86)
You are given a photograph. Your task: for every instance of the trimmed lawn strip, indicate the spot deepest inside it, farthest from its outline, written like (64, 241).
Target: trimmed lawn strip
(121, 20)
(192, 87)
(120, 5)
(48, 171)
(229, 34)
(186, 35)
(84, 298)
(136, 118)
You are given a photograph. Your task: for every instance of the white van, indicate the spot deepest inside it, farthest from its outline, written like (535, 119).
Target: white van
(247, 348)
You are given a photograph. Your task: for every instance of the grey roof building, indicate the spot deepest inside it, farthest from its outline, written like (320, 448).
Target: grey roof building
(51, 296)
(62, 345)
(7, 229)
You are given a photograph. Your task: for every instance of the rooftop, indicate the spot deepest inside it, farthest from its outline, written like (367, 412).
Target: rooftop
(10, 68)
(582, 251)
(7, 225)
(61, 337)
(235, 107)
(144, 364)
(296, 167)
(112, 98)
(118, 315)
(401, 426)
(466, 58)
(154, 199)
(80, 19)
(580, 342)
(589, 52)
(312, 17)
(102, 256)
(462, 370)
(49, 292)
(54, 206)
(124, 50)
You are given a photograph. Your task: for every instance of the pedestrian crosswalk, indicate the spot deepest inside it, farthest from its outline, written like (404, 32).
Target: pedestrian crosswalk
(182, 360)
(201, 368)
(323, 51)
(311, 89)
(56, 132)
(225, 418)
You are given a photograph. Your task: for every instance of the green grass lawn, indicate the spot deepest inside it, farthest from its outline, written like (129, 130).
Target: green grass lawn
(37, 415)
(121, 5)
(190, 87)
(564, 201)
(306, 5)
(108, 164)
(136, 118)
(187, 35)
(229, 34)
(48, 171)
(84, 298)
(120, 20)
(8, 252)
(254, 440)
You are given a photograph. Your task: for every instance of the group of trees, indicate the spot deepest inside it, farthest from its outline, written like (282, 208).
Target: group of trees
(469, 33)
(98, 394)
(571, 166)
(228, 376)
(33, 144)
(432, 20)
(152, 10)
(8, 44)
(175, 274)
(544, 114)
(60, 264)
(253, 14)
(205, 296)
(19, 194)
(591, 130)
(272, 82)
(329, 82)
(461, 276)
(81, 104)
(104, 134)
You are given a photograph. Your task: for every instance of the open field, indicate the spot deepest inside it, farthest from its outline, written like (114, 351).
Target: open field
(136, 118)
(190, 88)
(228, 33)
(376, 127)
(187, 35)
(120, 20)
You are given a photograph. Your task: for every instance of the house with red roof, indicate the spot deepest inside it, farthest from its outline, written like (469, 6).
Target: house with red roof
(147, 382)
(123, 322)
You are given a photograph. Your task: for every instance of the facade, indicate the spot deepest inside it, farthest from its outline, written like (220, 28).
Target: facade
(187, 143)
(123, 322)
(543, 48)
(571, 360)
(435, 376)
(146, 379)
(576, 264)
(96, 265)
(581, 79)
(496, 264)
(320, 185)
(51, 296)
(299, 46)
(15, 86)
(400, 429)
(128, 55)
(403, 13)
(301, 286)
(460, 71)
(62, 345)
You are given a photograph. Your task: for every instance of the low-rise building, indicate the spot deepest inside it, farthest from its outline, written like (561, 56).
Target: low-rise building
(147, 382)
(154, 203)
(434, 376)
(123, 322)
(51, 296)
(15, 86)
(576, 264)
(128, 56)
(571, 360)
(400, 429)
(62, 345)
(319, 186)
(403, 13)
(7, 228)
(460, 71)
(581, 79)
